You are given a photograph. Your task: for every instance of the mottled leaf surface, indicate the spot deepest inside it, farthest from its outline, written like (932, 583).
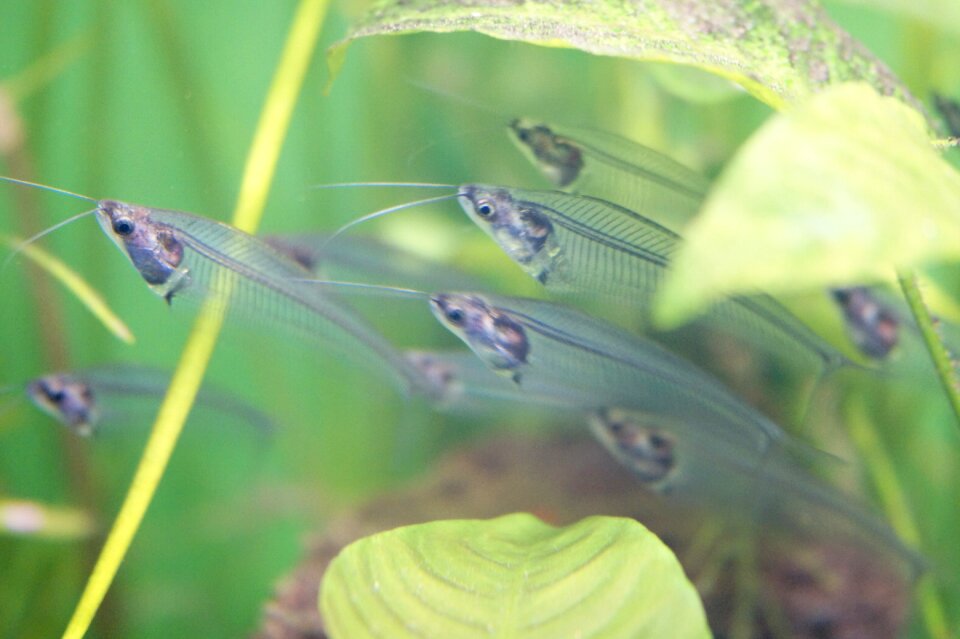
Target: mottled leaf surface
(779, 50)
(513, 576)
(840, 189)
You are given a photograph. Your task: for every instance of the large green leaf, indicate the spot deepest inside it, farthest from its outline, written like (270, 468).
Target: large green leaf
(511, 577)
(779, 50)
(841, 189)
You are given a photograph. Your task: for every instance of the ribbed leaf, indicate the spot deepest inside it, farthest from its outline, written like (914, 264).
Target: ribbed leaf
(511, 577)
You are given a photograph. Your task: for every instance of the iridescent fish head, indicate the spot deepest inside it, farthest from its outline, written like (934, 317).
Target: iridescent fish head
(557, 158)
(69, 400)
(521, 228)
(496, 338)
(648, 451)
(153, 248)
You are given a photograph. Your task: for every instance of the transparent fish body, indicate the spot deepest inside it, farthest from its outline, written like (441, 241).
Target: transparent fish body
(181, 255)
(460, 382)
(550, 345)
(84, 400)
(585, 245)
(614, 168)
(366, 259)
(686, 462)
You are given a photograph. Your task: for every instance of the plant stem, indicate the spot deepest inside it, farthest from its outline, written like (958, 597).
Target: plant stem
(895, 504)
(938, 352)
(258, 174)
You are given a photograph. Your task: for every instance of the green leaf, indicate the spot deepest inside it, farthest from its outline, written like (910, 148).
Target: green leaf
(511, 577)
(842, 189)
(940, 14)
(779, 50)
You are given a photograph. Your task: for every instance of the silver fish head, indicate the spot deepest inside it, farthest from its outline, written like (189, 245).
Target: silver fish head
(67, 399)
(522, 229)
(497, 339)
(646, 450)
(153, 248)
(557, 158)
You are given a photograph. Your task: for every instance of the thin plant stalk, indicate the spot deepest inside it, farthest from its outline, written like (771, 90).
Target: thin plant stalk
(896, 505)
(258, 175)
(942, 361)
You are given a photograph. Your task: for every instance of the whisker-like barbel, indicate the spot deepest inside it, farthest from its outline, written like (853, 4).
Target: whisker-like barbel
(387, 211)
(44, 187)
(33, 238)
(417, 185)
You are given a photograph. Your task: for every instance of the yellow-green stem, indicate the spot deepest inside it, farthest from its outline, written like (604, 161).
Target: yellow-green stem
(938, 352)
(895, 504)
(258, 174)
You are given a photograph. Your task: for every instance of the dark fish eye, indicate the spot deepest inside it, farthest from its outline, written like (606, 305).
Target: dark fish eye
(455, 315)
(484, 208)
(123, 226)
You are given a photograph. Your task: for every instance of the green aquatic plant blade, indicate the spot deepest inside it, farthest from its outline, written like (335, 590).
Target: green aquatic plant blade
(841, 189)
(779, 50)
(513, 576)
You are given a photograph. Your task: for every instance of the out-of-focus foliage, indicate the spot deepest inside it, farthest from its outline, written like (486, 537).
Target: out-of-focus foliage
(840, 189)
(157, 105)
(511, 577)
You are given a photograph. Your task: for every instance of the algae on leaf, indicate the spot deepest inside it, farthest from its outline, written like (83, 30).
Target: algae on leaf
(841, 189)
(779, 50)
(513, 576)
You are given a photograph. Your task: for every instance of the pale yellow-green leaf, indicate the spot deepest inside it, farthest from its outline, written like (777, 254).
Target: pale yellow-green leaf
(87, 295)
(841, 189)
(513, 576)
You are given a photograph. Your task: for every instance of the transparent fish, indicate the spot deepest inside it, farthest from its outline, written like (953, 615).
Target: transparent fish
(687, 463)
(366, 259)
(180, 255)
(585, 245)
(84, 400)
(873, 325)
(614, 168)
(550, 345)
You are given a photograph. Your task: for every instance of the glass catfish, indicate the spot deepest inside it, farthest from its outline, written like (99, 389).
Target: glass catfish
(687, 463)
(84, 400)
(586, 245)
(614, 168)
(181, 255)
(551, 345)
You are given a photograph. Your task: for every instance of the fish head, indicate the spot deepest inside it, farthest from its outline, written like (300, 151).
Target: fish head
(496, 337)
(153, 248)
(559, 159)
(521, 228)
(69, 400)
(648, 451)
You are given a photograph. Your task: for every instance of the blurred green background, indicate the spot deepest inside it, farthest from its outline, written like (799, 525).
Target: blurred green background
(155, 101)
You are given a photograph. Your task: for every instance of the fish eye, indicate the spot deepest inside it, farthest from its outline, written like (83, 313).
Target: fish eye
(123, 226)
(484, 208)
(455, 315)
